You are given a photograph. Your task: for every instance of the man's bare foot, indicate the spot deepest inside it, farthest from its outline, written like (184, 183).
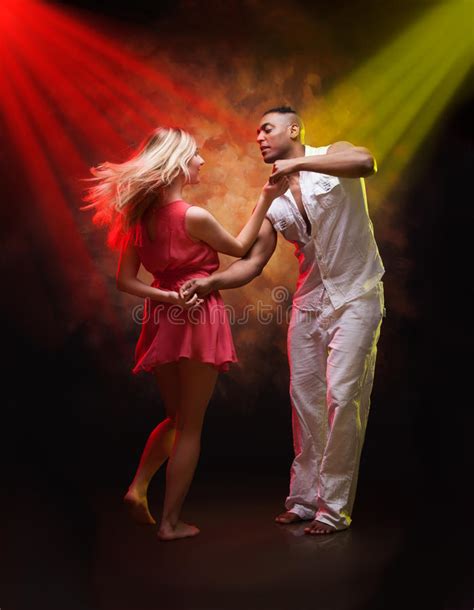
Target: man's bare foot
(318, 527)
(180, 530)
(288, 517)
(138, 507)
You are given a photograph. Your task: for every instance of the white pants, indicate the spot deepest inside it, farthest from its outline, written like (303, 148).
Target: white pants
(332, 360)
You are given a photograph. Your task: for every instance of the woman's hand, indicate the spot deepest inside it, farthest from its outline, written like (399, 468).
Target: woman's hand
(275, 188)
(175, 298)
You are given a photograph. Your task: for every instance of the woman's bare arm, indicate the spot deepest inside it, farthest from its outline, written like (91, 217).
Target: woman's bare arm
(201, 225)
(127, 281)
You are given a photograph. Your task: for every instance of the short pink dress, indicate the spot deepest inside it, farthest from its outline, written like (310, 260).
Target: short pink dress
(170, 332)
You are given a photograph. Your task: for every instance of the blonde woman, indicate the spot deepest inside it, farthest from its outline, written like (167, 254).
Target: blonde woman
(183, 343)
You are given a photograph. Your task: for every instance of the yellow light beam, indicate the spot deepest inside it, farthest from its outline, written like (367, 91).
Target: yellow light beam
(392, 101)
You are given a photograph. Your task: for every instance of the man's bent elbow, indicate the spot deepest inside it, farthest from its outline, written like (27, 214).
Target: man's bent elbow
(368, 166)
(254, 269)
(258, 269)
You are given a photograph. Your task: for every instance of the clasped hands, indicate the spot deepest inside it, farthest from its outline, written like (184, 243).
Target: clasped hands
(183, 300)
(196, 288)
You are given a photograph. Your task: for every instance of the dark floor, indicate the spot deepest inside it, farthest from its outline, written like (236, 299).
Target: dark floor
(74, 552)
(242, 559)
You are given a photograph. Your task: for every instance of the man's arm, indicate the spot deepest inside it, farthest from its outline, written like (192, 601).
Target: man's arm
(239, 273)
(342, 159)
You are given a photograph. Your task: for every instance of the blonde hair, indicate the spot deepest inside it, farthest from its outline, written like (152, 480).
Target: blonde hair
(124, 191)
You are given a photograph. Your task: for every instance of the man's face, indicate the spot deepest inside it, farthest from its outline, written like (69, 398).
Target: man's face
(274, 136)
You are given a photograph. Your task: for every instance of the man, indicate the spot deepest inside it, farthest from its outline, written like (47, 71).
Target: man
(337, 311)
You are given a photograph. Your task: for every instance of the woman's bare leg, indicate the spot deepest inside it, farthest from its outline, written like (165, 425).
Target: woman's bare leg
(197, 384)
(158, 446)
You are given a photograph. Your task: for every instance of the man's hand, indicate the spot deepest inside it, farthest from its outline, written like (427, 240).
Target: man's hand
(283, 167)
(198, 287)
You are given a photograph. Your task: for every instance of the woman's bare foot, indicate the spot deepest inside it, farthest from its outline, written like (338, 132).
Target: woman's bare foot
(180, 530)
(288, 517)
(138, 507)
(318, 527)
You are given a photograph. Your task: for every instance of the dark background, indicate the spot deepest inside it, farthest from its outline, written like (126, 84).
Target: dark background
(69, 432)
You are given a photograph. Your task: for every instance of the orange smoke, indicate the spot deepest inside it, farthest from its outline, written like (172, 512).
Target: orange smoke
(98, 89)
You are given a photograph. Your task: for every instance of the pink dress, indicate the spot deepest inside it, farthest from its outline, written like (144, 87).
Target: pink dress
(169, 332)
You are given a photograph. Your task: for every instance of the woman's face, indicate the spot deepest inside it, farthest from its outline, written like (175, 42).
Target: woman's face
(194, 167)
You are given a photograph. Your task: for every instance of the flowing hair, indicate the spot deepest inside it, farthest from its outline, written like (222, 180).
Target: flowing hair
(124, 191)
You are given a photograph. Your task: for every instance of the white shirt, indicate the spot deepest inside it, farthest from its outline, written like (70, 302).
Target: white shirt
(341, 254)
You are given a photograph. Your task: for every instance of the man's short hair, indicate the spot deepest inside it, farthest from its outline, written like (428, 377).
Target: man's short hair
(289, 110)
(281, 110)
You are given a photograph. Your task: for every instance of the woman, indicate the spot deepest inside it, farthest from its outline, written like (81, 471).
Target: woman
(184, 343)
